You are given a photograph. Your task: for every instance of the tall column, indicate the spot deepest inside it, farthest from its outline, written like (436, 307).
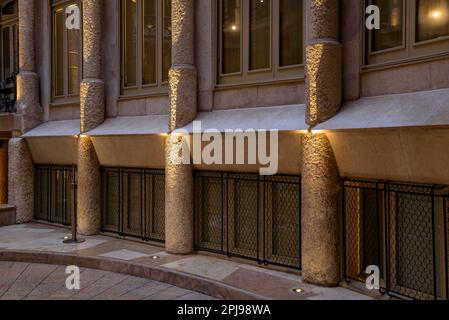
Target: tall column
(320, 227)
(21, 180)
(28, 107)
(323, 62)
(92, 114)
(3, 171)
(183, 110)
(320, 236)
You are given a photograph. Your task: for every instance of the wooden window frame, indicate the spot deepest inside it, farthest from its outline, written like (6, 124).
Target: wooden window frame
(140, 89)
(275, 72)
(66, 98)
(11, 22)
(410, 49)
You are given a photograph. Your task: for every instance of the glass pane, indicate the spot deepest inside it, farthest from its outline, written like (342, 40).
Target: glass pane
(10, 8)
(149, 44)
(73, 43)
(166, 59)
(6, 54)
(260, 34)
(432, 20)
(16, 49)
(391, 28)
(59, 52)
(130, 42)
(231, 33)
(291, 35)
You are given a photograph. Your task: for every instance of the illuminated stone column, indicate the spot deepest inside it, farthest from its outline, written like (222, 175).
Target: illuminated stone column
(28, 107)
(323, 62)
(3, 172)
(320, 223)
(92, 114)
(92, 86)
(178, 199)
(183, 110)
(21, 180)
(89, 188)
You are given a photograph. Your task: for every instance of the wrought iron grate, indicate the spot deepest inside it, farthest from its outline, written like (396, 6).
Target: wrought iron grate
(402, 229)
(53, 193)
(249, 216)
(133, 203)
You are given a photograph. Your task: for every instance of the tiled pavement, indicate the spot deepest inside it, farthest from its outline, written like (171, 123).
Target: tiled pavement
(45, 282)
(261, 282)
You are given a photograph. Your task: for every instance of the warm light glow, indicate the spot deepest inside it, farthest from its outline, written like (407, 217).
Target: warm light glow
(234, 28)
(436, 14)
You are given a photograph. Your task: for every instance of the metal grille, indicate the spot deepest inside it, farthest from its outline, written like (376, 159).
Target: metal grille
(249, 216)
(133, 203)
(402, 229)
(53, 193)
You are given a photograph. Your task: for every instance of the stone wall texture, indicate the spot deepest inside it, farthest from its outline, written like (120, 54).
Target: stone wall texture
(178, 200)
(91, 104)
(89, 188)
(21, 180)
(320, 222)
(323, 86)
(92, 32)
(182, 95)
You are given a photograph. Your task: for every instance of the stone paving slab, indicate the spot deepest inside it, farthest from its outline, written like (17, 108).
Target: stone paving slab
(47, 282)
(216, 276)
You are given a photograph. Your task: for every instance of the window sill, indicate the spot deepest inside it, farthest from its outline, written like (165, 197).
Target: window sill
(264, 83)
(139, 96)
(403, 62)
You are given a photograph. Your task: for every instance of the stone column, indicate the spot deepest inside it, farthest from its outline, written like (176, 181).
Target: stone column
(320, 223)
(3, 171)
(323, 62)
(183, 110)
(28, 107)
(92, 114)
(21, 180)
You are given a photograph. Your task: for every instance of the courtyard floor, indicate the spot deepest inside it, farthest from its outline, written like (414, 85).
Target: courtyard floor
(134, 270)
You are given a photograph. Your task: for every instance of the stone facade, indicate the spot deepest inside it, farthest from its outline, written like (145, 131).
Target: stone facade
(323, 135)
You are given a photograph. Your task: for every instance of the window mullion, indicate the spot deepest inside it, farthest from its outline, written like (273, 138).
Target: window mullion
(245, 41)
(65, 60)
(159, 40)
(139, 44)
(275, 37)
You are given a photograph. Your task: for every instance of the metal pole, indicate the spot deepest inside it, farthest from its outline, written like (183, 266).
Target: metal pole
(74, 238)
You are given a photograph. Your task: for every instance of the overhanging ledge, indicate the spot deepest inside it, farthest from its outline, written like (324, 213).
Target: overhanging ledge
(132, 142)
(54, 142)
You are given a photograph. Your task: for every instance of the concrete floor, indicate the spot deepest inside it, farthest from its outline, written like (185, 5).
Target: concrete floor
(269, 284)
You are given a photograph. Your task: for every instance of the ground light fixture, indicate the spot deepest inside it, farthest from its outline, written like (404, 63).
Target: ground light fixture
(299, 291)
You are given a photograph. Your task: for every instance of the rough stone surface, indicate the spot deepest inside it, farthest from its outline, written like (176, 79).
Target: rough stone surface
(323, 19)
(320, 223)
(183, 25)
(89, 188)
(21, 180)
(28, 107)
(323, 83)
(178, 200)
(3, 172)
(91, 104)
(27, 50)
(183, 98)
(92, 32)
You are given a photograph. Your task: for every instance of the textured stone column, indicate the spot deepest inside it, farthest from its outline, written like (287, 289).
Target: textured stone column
(183, 110)
(3, 172)
(21, 180)
(28, 107)
(92, 114)
(323, 62)
(320, 223)
(178, 199)
(89, 188)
